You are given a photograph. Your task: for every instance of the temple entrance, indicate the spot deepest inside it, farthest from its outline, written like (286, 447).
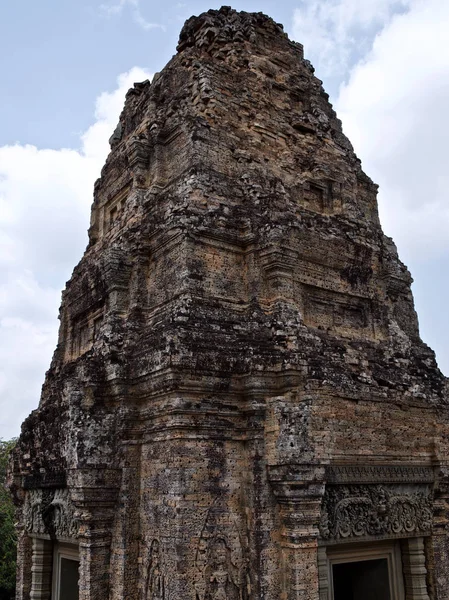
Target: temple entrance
(361, 580)
(364, 571)
(65, 572)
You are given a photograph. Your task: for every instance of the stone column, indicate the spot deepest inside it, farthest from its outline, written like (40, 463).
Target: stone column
(440, 536)
(94, 551)
(24, 542)
(126, 540)
(278, 267)
(323, 574)
(414, 567)
(94, 493)
(24, 564)
(41, 569)
(299, 491)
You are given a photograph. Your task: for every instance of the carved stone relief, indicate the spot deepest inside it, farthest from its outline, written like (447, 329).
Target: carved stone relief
(155, 587)
(337, 312)
(33, 512)
(50, 512)
(221, 561)
(360, 511)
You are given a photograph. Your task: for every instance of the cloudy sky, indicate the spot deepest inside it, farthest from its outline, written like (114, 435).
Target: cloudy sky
(66, 65)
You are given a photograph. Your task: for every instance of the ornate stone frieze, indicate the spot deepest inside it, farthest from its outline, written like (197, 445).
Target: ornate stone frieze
(379, 474)
(50, 479)
(50, 512)
(361, 511)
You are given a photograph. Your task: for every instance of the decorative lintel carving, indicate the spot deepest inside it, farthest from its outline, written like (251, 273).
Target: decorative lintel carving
(50, 512)
(361, 511)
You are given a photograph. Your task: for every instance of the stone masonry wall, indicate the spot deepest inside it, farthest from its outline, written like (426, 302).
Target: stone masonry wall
(238, 324)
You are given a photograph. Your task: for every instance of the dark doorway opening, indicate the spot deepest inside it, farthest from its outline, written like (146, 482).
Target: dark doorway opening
(69, 579)
(362, 580)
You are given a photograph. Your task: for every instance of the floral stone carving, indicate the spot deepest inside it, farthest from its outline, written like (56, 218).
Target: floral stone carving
(357, 511)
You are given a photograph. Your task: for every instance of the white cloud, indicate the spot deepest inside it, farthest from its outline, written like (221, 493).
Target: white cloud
(394, 110)
(393, 59)
(23, 347)
(335, 32)
(45, 198)
(116, 9)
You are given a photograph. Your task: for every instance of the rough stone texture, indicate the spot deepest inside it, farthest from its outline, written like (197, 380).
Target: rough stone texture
(238, 323)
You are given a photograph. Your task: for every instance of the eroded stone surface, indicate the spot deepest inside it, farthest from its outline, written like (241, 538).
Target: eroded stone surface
(238, 322)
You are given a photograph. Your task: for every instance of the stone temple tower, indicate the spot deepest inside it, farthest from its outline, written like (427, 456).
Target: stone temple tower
(239, 406)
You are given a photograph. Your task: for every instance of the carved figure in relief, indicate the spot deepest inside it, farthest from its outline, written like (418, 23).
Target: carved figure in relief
(59, 516)
(63, 522)
(33, 512)
(36, 511)
(50, 512)
(223, 576)
(221, 567)
(201, 562)
(155, 578)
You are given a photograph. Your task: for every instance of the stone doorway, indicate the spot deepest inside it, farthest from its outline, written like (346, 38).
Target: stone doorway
(54, 570)
(361, 572)
(65, 572)
(361, 580)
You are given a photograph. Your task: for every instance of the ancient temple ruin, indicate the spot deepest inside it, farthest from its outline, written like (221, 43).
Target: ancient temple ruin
(239, 406)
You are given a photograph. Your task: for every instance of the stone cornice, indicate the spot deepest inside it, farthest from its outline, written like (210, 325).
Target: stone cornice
(344, 474)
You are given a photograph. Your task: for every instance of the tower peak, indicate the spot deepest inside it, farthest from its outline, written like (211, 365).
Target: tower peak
(225, 25)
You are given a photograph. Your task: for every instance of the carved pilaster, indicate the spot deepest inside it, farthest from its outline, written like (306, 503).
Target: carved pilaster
(127, 532)
(414, 567)
(24, 543)
(323, 574)
(299, 490)
(41, 569)
(138, 156)
(278, 269)
(440, 537)
(95, 554)
(94, 493)
(24, 564)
